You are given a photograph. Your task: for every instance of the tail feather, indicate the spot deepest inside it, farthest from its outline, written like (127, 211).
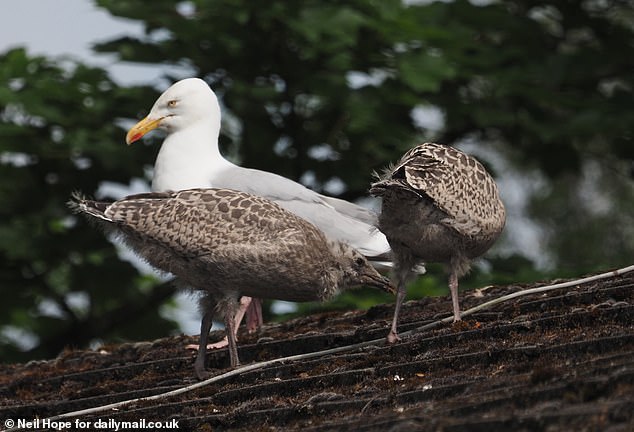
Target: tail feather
(79, 204)
(378, 189)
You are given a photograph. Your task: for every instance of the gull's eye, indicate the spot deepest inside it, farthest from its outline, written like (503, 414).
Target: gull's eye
(359, 261)
(172, 103)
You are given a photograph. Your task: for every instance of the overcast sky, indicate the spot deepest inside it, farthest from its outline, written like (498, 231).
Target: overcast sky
(56, 28)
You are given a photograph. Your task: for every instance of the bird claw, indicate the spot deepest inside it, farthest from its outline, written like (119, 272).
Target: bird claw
(392, 337)
(201, 373)
(217, 345)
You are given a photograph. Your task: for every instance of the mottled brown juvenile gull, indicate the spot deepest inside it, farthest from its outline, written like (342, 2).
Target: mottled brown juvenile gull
(439, 205)
(227, 244)
(189, 157)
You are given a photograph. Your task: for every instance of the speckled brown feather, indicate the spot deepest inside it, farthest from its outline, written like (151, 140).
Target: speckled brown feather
(444, 188)
(458, 184)
(227, 244)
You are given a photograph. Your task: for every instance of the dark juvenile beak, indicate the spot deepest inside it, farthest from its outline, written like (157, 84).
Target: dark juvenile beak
(372, 278)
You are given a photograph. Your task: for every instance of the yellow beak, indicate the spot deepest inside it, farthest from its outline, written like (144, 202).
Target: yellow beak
(141, 128)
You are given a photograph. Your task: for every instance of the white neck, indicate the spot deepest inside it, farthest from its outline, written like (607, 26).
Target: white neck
(188, 158)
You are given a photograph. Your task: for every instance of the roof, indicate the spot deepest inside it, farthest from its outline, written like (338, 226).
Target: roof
(558, 360)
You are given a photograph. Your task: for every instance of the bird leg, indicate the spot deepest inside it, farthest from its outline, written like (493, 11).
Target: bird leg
(231, 310)
(205, 326)
(245, 303)
(453, 288)
(392, 336)
(254, 314)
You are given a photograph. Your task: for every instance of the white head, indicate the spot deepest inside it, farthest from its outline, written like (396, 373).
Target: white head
(186, 103)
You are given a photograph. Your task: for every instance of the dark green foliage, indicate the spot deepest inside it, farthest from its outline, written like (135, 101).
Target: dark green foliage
(57, 135)
(547, 85)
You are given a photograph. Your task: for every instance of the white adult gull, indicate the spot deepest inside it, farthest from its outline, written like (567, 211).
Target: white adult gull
(189, 157)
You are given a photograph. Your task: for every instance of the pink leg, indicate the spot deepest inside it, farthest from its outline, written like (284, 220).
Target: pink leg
(205, 326)
(254, 315)
(392, 336)
(453, 288)
(244, 305)
(230, 324)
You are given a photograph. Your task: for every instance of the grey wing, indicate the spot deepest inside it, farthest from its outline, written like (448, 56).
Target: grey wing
(352, 210)
(264, 184)
(311, 206)
(337, 226)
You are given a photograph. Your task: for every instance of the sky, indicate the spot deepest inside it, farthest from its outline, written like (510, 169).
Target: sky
(69, 28)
